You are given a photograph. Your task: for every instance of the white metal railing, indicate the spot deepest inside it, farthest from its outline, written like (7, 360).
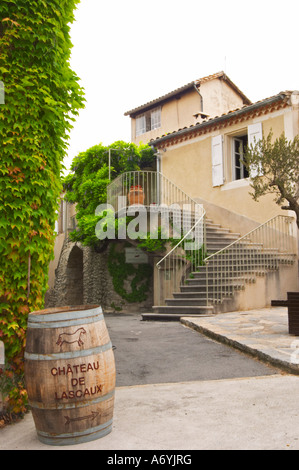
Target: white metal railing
(181, 261)
(177, 210)
(157, 189)
(260, 250)
(118, 190)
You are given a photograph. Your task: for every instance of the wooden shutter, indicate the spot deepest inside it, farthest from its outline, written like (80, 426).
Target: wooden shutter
(217, 161)
(255, 133)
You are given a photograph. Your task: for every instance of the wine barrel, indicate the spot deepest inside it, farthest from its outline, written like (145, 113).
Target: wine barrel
(70, 374)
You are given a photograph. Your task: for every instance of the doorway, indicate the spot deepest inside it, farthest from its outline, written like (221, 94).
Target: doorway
(74, 276)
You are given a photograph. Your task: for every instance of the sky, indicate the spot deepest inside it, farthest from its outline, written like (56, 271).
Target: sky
(129, 52)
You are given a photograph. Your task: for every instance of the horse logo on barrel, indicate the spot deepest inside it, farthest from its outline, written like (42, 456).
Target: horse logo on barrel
(70, 338)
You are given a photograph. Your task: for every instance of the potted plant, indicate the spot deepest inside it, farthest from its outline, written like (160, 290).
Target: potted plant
(136, 195)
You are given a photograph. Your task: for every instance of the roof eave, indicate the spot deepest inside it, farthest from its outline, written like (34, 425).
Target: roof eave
(218, 119)
(246, 100)
(162, 99)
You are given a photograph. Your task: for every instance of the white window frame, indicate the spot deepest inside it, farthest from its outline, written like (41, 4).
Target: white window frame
(242, 166)
(220, 157)
(148, 121)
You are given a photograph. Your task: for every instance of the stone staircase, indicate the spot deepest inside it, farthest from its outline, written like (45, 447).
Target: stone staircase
(197, 295)
(192, 298)
(184, 285)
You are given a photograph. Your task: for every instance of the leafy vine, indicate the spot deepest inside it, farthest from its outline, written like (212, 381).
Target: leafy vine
(42, 96)
(120, 271)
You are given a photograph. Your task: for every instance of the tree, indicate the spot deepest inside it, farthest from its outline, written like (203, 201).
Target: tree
(42, 97)
(86, 185)
(274, 168)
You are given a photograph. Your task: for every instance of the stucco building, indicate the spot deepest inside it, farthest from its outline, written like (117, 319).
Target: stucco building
(199, 132)
(201, 154)
(200, 99)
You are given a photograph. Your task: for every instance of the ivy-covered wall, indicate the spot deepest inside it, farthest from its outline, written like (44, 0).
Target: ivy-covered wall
(42, 96)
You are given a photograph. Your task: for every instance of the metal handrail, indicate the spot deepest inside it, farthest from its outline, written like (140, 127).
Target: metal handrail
(181, 241)
(160, 190)
(138, 176)
(247, 235)
(260, 250)
(180, 261)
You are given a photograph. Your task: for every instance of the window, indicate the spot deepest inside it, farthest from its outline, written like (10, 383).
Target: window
(148, 121)
(228, 154)
(239, 145)
(156, 119)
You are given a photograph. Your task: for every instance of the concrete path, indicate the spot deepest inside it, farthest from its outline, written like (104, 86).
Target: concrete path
(239, 414)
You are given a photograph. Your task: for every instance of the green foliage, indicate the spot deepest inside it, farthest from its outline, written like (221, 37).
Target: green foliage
(42, 96)
(156, 241)
(197, 257)
(276, 170)
(86, 186)
(120, 271)
(13, 391)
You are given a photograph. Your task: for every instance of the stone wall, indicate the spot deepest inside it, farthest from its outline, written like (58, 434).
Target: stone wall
(82, 277)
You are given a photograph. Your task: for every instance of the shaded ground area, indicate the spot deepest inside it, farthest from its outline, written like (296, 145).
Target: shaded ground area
(162, 352)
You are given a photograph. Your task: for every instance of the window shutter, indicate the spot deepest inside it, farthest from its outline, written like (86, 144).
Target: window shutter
(140, 125)
(156, 118)
(255, 133)
(217, 161)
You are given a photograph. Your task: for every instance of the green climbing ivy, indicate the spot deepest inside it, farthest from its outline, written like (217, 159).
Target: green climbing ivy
(42, 98)
(86, 184)
(140, 276)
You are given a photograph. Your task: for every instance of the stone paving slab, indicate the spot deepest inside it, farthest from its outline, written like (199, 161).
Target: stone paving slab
(262, 333)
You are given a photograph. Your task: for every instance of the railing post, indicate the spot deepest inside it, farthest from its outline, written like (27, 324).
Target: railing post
(252, 253)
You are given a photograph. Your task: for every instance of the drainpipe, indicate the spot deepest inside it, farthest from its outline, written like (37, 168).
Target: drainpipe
(201, 100)
(158, 155)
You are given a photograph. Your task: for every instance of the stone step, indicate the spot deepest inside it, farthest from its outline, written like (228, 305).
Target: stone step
(202, 289)
(221, 238)
(229, 280)
(190, 295)
(216, 245)
(232, 270)
(187, 301)
(183, 309)
(253, 259)
(169, 316)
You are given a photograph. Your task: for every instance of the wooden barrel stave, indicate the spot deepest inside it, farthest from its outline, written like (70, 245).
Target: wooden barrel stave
(70, 374)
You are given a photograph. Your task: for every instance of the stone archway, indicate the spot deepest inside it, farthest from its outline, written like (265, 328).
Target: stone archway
(74, 278)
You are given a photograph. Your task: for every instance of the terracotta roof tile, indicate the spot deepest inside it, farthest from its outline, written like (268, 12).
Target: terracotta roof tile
(189, 86)
(282, 97)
